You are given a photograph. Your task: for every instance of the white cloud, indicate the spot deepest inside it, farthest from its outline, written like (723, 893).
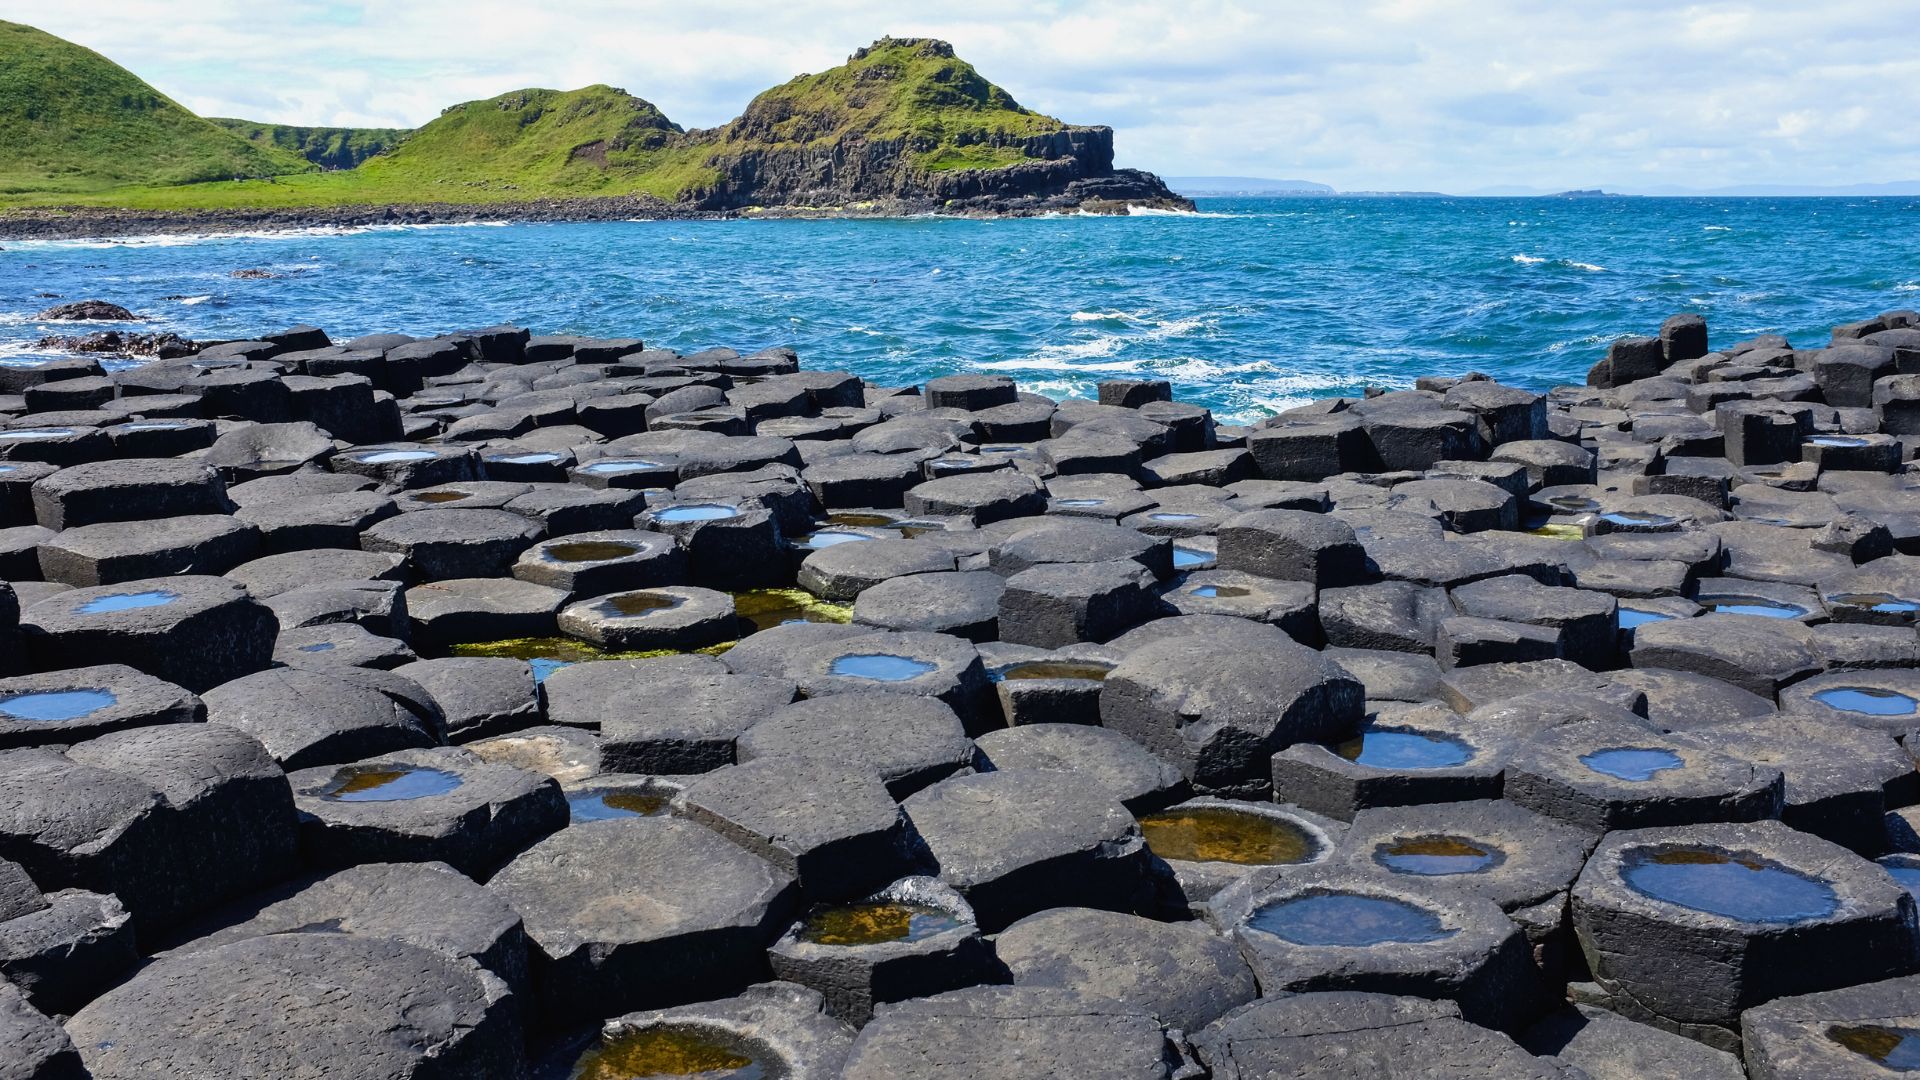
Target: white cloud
(1363, 94)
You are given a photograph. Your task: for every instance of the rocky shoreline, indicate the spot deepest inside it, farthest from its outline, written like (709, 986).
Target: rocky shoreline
(567, 707)
(79, 223)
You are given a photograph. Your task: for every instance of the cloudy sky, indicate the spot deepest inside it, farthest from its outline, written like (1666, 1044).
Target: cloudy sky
(1454, 95)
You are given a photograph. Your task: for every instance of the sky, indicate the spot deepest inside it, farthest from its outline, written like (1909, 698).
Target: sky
(1445, 95)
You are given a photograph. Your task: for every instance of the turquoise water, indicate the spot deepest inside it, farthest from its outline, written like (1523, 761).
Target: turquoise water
(1253, 304)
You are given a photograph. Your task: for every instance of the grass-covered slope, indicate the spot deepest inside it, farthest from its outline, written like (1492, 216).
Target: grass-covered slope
(327, 147)
(543, 143)
(913, 90)
(73, 121)
(901, 119)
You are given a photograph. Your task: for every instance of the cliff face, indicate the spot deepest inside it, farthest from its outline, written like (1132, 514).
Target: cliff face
(905, 122)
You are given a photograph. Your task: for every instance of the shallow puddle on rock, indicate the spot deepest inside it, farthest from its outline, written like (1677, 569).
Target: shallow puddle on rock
(826, 538)
(35, 434)
(1632, 617)
(1884, 602)
(1867, 700)
(1054, 669)
(1436, 856)
(393, 457)
(636, 605)
(880, 667)
(874, 924)
(618, 468)
(1173, 517)
(388, 783)
(1896, 1048)
(603, 804)
(870, 521)
(1633, 764)
(1349, 919)
(1573, 504)
(768, 608)
(1740, 886)
(1631, 519)
(127, 601)
(527, 459)
(673, 1051)
(1219, 834)
(588, 551)
(1221, 592)
(434, 497)
(55, 705)
(1751, 605)
(1907, 877)
(696, 512)
(1078, 504)
(1386, 748)
(1837, 441)
(1191, 558)
(547, 655)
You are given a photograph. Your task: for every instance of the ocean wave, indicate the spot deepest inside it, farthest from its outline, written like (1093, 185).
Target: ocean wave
(1155, 211)
(190, 239)
(1537, 260)
(1716, 228)
(191, 300)
(1907, 286)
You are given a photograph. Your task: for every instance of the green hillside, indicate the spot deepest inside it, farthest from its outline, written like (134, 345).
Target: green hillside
(73, 121)
(76, 130)
(538, 143)
(327, 147)
(911, 89)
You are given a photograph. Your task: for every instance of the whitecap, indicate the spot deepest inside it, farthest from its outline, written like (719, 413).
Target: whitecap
(1908, 286)
(195, 299)
(1528, 260)
(1716, 228)
(1155, 211)
(1589, 267)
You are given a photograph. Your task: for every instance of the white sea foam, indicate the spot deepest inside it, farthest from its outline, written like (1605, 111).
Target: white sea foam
(1528, 260)
(195, 299)
(1155, 211)
(1716, 228)
(188, 239)
(1589, 267)
(1907, 286)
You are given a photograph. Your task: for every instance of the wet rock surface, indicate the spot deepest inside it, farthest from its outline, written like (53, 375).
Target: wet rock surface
(427, 708)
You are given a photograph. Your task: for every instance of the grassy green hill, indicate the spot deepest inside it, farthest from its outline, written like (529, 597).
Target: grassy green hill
(73, 121)
(914, 90)
(327, 147)
(76, 130)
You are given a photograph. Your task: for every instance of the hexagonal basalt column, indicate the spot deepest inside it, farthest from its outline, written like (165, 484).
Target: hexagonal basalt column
(777, 1029)
(144, 623)
(1220, 709)
(1012, 1031)
(1314, 928)
(1602, 775)
(440, 804)
(249, 1009)
(1182, 973)
(1857, 1033)
(597, 563)
(442, 544)
(1209, 843)
(642, 912)
(1696, 924)
(1401, 756)
(1021, 841)
(912, 939)
(910, 741)
(1328, 1033)
(80, 703)
(306, 718)
(667, 617)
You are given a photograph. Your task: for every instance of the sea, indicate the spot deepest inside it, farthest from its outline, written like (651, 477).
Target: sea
(1248, 306)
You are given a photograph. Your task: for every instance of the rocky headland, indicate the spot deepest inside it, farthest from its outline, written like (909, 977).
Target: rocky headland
(502, 705)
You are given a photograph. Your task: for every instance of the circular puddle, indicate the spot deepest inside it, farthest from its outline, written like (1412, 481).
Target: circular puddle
(127, 601)
(696, 512)
(619, 468)
(392, 457)
(388, 783)
(679, 1050)
(588, 551)
(1740, 886)
(874, 923)
(1348, 919)
(605, 804)
(1054, 669)
(880, 667)
(55, 705)
(638, 605)
(1219, 834)
(1631, 763)
(1388, 748)
(1437, 856)
(1867, 700)
(1222, 592)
